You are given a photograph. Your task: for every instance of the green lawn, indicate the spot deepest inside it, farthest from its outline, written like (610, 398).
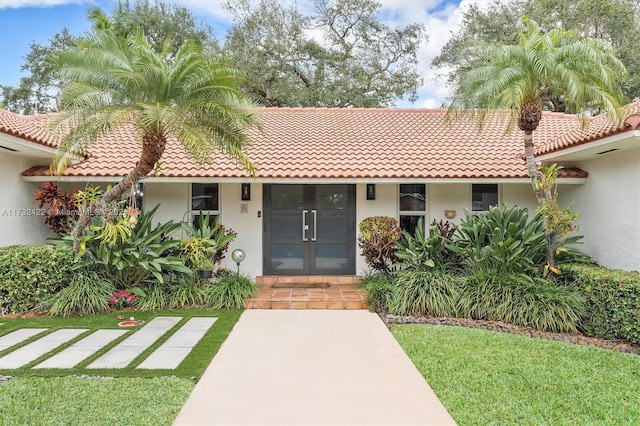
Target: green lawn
(74, 401)
(192, 367)
(127, 397)
(489, 378)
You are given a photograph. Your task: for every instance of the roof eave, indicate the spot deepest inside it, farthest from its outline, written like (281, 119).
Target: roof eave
(593, 149)
(25, 147)
(152, 179)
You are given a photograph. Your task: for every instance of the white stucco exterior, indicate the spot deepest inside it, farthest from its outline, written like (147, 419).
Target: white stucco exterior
(246, 217)
(609, 207)
(21, 221)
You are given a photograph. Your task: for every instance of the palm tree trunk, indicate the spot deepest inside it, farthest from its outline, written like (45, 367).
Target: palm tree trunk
(532, 169)
(542, 195)
(152, 149)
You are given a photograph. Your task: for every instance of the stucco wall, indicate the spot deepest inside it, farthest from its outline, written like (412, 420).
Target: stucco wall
(609, 207)
(242, 217)
(174, 200)
(19, 223)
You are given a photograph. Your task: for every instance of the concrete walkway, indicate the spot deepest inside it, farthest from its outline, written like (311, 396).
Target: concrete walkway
(312, 367)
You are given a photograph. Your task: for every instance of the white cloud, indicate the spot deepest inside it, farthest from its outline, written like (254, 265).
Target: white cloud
(14, 4)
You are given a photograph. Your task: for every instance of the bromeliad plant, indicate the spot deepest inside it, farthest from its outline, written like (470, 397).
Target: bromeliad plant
(122, 299)
(145, 256)
(422, 251)
(558, 222)
(206, 243)
(501, 241)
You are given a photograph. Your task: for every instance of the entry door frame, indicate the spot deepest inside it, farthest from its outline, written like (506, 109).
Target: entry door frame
(308, 237)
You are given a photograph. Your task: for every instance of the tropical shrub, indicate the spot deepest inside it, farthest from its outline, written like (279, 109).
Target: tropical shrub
(230, 291)
(142, 257)
(206, 243)
(61, 207)
(558, 222)
(186, 293)
(613, 300)
(30, 274)
(522, 300)
(87, 293)
(422, 251)
(157, 296)
(380, 288)
(378, 241)
(501, 241)
(425, 292)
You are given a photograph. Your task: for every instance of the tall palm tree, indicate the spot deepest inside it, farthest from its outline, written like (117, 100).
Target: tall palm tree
(111, 81)
(544, 67)
(515, 81)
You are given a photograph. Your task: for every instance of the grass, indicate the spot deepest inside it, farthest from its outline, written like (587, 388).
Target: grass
(74, 401)
(489, 378)
(126, 396)
(191, 368)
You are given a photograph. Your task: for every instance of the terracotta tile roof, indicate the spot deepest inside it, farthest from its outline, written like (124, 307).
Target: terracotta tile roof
(357, 143)
(30, 128)
(597, 127)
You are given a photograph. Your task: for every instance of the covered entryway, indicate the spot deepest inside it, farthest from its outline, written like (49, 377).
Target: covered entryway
(309, 229)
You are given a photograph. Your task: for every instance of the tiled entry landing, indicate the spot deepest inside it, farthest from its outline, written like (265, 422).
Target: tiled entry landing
(308, 292)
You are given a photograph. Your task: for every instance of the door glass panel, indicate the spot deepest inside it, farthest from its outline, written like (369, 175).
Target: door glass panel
(287, 256)
(332, 227)
(332, 197)
(286, 226)
(287, 196)
(332, 256)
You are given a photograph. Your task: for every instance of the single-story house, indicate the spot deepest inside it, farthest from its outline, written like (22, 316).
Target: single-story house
(321, 171)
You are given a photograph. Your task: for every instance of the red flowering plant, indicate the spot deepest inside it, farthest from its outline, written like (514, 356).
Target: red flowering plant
(61, 207)
(122, 299)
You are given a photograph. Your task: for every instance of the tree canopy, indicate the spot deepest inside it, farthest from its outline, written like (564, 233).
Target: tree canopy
(514, 80)
(615, 21)
(111, 81)
(38, 91)
(339, 55)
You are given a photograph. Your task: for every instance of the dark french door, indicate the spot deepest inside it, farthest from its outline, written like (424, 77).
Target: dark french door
(309, 229)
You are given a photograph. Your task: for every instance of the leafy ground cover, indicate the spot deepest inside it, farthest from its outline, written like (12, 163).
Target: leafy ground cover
(486, 378)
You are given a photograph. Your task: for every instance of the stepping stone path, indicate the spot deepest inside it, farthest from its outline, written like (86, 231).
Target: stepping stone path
(177, 347)
(36, 349)
(168, 356)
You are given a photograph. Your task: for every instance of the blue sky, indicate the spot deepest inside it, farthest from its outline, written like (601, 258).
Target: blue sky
(23, 22)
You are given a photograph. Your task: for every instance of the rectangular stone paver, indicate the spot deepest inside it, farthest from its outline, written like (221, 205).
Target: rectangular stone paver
(18, 336)
(81, 350)
(126, 351)
(37, 348)
(171, 353)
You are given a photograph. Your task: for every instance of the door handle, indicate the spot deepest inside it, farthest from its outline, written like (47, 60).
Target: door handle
(315, 225)
(305, 227)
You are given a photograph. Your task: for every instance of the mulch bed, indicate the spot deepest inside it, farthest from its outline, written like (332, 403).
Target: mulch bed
(502, 327)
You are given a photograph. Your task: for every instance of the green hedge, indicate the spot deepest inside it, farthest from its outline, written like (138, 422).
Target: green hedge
(613, 299)
(30, 274)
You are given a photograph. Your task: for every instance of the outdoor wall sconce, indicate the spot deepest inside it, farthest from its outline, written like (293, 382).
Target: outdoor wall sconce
(245, 193)
(371, 191)
(449, 214)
